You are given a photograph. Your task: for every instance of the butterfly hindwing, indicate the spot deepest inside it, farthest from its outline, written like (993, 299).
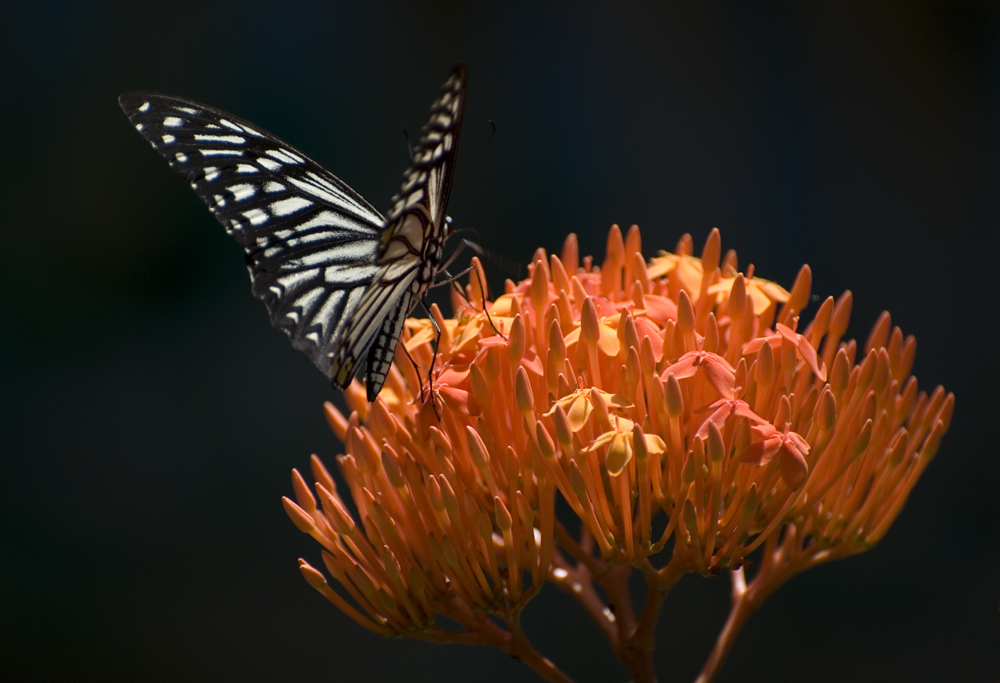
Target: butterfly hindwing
(310, 241)
(384, 346)
(410, 247)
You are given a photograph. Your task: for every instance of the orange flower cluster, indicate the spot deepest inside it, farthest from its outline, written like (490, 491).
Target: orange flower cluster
(676, 399)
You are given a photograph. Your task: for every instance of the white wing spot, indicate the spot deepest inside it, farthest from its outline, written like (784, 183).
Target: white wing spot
(221, 152)
(244, 191)
(284, 155)
(349, 252)
(168, 139)
(187, 110)
(415, 198)
(284, 207)
(292, 281)
(268, 164)
(181, 157)
(172, 122)
(327, 312)
(144, 107)
(211, 173)
(308, 300)
(139, 127)
(324, 219)
(271, 186)
(256, 217)
(230, 125)
(252, 131)
(235, 139)
(320, 188)
(245, 168)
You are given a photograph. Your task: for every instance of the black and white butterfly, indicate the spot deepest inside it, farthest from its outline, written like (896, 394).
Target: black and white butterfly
(336, 276)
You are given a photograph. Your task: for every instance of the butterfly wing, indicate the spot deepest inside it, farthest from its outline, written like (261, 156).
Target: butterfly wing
(410, 248)
(310, 241)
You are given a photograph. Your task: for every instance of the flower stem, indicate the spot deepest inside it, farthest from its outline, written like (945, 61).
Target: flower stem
(516, 645)
(780, 562)
(637, 638)
(742, 608)
(543, 666)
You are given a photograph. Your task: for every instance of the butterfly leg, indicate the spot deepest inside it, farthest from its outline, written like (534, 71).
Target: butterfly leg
(430, 371)
(465, 244)
(452, 280)
(416, 369)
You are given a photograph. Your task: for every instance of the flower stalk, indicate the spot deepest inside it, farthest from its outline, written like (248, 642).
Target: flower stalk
(676, 394)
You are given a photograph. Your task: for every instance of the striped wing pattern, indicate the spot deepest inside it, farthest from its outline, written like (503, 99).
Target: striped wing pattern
(310, 242)
(410, 247)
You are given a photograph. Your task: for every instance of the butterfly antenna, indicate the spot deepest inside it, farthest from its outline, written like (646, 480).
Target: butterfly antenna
(409, 144)
(507, 266)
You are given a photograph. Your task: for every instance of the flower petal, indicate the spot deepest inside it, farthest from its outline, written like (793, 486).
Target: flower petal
(720, 374)
(608, 341)
(457, 400)
(760, 453)
(659, 309)
(792, 466)
(686, 366)
(579, 412)
(619, 454)
(647, 329)
(655, 445)
(804, 350)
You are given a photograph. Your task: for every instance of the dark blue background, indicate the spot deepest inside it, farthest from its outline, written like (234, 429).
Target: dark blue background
(150, 416)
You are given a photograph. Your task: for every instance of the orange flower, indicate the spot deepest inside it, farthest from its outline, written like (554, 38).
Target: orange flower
(790, 448)
(718, 372)
(675, 395)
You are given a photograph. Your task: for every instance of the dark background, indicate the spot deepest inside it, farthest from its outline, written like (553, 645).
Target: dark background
(150, 416)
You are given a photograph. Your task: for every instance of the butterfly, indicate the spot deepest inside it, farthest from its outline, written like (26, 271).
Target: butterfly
(335, 275)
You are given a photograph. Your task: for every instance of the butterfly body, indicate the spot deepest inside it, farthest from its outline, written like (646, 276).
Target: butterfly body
(335, 275)
(412, 245)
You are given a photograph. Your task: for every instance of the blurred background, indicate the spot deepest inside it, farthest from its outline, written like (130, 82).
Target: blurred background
(150, 415)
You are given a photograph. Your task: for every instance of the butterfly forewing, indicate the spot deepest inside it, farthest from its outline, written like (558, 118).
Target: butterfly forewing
(310, 242)
(410, 248)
